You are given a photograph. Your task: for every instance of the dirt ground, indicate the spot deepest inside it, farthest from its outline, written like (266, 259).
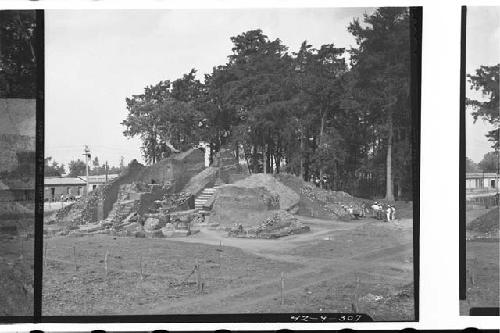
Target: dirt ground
(483, 268)
(16, 270)
(365, 264)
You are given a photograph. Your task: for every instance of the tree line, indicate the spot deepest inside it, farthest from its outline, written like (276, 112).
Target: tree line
(339, 116)
(78, 168)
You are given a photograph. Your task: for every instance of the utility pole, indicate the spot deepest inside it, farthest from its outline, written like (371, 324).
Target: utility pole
(86, 152)
(107, 168)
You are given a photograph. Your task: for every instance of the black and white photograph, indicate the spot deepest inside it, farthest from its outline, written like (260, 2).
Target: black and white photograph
(231, 161)
(482, 161)
(17, 161)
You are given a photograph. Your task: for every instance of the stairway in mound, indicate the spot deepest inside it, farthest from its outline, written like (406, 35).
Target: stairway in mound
(202, 198)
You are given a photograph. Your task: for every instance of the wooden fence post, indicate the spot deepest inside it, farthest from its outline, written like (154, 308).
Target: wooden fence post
(282, 288)
(355, 305)
(74, 258)
(140, 267)
(198, 276)
(106, 263)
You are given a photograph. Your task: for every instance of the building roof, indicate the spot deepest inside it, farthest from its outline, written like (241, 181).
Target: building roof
(481, 175)
(99, 179)
(61, 181)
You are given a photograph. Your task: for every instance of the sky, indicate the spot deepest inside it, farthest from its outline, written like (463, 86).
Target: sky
(482, 48)
(96, 58)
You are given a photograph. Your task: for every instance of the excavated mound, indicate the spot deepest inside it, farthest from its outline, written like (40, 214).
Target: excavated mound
(317, 202)
(237, 205)
(288, 198)
(258, 206)
(488, 223)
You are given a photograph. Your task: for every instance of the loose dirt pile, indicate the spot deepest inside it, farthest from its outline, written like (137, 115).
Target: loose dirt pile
(81, 211)
(487, 224)
(288, 198)
(258, 206)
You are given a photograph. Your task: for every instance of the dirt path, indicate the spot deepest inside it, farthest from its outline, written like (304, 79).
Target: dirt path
(262, 246)
(315, 270)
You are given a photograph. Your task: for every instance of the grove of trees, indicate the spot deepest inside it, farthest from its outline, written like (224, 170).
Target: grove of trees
(327, 113)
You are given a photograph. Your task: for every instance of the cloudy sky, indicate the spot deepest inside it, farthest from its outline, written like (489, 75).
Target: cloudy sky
(96, 58)
(483, 48)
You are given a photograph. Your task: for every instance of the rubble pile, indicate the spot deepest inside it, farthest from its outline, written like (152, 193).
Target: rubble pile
(279, 224)
(82, 211)
(175, 202)
(318, 202)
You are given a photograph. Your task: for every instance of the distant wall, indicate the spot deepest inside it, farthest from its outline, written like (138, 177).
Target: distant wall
(176, 170)
(110, 191)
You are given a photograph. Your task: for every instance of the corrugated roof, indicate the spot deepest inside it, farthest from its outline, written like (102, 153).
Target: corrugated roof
(54, 181)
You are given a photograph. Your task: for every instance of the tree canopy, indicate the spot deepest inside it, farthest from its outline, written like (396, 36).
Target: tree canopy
(17, 54)
(487, 80)
(344, 124)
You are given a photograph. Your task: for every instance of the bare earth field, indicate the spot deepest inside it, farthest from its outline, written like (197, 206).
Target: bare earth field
(366, 263)
(483, 268)
(16, 271)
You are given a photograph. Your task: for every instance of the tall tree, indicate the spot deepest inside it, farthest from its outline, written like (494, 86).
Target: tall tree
(144, 118)
(382, 65)
(487, 80)
(319, 74)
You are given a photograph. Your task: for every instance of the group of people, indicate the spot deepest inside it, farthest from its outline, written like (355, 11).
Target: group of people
(384, 212)
(379, 211)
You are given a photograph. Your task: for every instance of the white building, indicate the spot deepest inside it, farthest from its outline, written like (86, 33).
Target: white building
(479, 182)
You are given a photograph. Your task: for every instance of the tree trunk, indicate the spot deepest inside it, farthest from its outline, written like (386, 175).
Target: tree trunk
(400, 190)
(237, 152)
(264, 158)
(389, 195)
(154, 146)
(320, 142)
(302, 168)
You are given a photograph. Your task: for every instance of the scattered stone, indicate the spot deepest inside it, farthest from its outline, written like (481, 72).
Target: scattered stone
(152, 224)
